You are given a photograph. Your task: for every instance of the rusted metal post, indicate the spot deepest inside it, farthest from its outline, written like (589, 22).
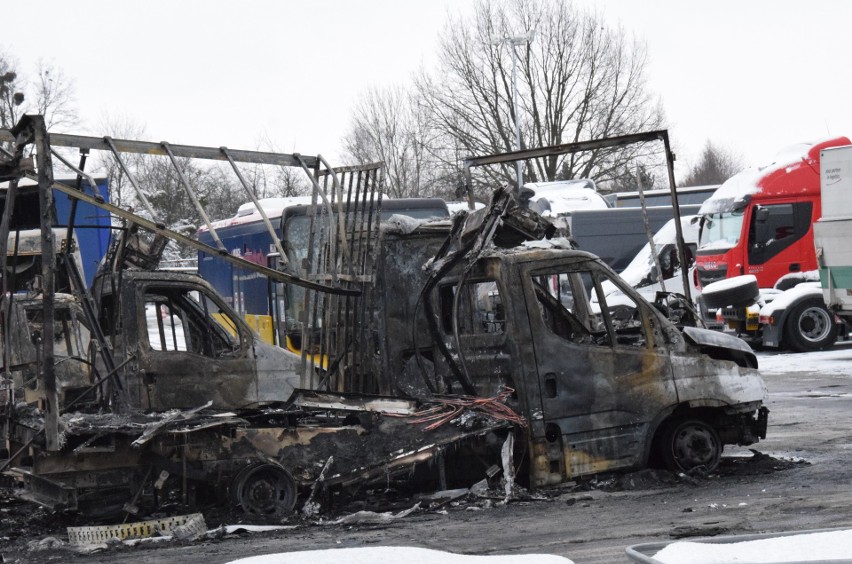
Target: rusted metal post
(276, 240)
(192, 198)
(48, 271)
(139, 193)
(681, 244)
(12, 162)
(4, 320)
(648, 232)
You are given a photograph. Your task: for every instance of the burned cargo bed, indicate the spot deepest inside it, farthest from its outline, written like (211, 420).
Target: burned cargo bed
(255, 459)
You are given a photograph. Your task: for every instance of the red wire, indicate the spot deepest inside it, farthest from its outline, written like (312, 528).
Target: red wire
(446, 408)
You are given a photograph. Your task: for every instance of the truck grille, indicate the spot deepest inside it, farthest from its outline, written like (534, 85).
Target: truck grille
(710, 276)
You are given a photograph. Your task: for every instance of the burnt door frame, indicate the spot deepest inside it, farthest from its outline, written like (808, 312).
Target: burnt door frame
(598, 402)
(175, 379)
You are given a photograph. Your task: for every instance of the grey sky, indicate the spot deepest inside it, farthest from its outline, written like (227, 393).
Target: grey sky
(753, 76)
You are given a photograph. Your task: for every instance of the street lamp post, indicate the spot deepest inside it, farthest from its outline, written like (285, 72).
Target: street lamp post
(515, 42)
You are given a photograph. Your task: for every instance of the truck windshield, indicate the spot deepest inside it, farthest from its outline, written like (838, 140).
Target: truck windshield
(721, 230)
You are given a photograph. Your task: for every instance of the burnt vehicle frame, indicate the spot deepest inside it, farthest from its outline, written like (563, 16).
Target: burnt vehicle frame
(126, 448)
(385, 281)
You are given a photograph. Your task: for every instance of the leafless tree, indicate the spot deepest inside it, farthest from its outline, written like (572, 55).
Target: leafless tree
(121, 191)
(54, 97)
(167, 194)
(51, 95)
(631, 177)
(278, 181)
(290, 181)
(578, 79)
(714, 166)
(388, 126)
(11, 92)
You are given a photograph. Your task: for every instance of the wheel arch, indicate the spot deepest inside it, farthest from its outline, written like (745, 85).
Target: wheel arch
(657, 427)
(802, 295)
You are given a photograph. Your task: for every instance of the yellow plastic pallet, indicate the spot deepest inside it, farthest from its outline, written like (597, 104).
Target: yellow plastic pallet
(194, 523)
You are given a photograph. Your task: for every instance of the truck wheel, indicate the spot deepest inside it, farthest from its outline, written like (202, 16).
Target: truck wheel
(810, 326)
(690, 443)
(265, 490)
(734, 292)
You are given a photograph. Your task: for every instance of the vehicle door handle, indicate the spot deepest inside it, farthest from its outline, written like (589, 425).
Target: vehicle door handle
(795, 267)
(550, 385)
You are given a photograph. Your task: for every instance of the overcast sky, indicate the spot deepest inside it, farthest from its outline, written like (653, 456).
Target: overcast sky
(752, 76)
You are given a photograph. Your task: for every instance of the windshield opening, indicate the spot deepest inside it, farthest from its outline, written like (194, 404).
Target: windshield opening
(721, 230)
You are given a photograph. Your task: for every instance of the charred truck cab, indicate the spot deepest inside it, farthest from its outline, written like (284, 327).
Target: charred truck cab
(188, 348)
(602, 388)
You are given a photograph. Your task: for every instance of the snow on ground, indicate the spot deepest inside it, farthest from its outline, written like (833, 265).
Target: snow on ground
(831, 545)
(836, 360)
(395, 555)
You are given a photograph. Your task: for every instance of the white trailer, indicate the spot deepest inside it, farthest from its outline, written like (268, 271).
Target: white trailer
(833, 232)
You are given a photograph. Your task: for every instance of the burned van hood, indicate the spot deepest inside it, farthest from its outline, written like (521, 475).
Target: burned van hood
(706, 338)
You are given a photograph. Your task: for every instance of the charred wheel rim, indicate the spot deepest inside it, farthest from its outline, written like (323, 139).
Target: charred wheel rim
(265, 490)
(695, 444)
(814, 324)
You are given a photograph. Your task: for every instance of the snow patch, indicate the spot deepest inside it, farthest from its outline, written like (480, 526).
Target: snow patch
(555, 243)
(811, 547)
(837, 360)
(729, 283)
(785, 299)
(395, 555)
(402, 224)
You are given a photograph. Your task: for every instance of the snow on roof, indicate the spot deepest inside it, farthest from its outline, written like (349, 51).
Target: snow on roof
(643, 262)
(455, 207)
(564, 196)
(559, 185)
(247, 213)
(785, 299)
(272, 204)
(734, 191)
(729, 283)
(395, 555)
(273, 207)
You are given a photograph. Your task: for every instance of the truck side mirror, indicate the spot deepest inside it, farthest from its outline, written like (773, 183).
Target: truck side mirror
(761, 214)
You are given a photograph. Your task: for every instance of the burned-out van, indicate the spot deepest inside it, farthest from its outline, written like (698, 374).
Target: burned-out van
(602, 386)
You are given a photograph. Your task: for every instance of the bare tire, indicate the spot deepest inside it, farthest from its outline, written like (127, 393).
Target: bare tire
(734, 292)
(688, 444)
(809, 326)
(265, 490)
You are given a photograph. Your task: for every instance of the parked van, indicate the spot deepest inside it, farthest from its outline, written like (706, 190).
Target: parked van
(642, 273)
(617, 235)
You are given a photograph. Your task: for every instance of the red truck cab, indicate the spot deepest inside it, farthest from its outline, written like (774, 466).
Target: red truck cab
(760, 220)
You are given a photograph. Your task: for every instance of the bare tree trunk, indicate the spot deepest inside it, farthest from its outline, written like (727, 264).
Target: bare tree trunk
(579, 79)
